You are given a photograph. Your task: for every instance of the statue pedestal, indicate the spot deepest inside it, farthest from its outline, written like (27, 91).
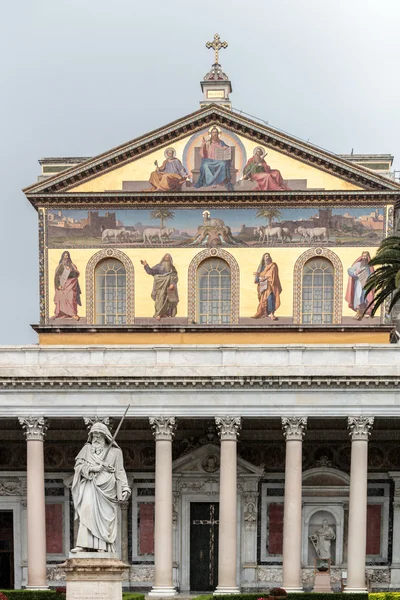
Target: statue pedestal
(322, 582)
(94, 576)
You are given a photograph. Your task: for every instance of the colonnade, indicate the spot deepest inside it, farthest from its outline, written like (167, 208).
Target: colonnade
(228, 427)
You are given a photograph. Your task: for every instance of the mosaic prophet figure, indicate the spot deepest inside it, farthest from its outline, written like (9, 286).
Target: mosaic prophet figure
(268, 287)
(165, 287)
(213, 169)
(356, 298)
(67, 295)
(171, 175)
(99, 484)
(257, 170)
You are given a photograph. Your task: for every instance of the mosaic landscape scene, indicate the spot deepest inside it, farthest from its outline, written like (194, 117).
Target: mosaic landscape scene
(209, 227)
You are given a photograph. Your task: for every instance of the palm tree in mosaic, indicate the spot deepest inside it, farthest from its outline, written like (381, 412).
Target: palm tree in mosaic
(385, 280)
(164, 214)
(269, 214)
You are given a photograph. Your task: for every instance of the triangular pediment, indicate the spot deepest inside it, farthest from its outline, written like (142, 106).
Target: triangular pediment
(206, 460)
(291, 163)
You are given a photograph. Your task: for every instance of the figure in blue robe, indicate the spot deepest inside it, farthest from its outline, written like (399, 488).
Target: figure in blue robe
(213, 171)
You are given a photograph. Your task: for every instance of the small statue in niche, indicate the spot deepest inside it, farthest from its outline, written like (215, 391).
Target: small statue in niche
(321, 540)
(250, 515)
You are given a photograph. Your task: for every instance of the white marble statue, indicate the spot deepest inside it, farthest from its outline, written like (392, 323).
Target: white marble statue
(321, 540)
(99, 484)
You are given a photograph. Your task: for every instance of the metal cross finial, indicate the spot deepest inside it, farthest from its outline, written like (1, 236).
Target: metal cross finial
(216, 45)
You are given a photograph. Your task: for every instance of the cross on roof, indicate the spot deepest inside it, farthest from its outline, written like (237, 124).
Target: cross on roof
(216, 45)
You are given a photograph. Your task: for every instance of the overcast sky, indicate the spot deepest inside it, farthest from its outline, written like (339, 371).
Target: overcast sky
(81, 76)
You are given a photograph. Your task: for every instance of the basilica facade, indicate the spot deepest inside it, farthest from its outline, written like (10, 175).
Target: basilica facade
(209, 275)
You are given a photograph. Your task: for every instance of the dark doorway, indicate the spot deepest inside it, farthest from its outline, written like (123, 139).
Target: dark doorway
(6, 550)
(204, 520)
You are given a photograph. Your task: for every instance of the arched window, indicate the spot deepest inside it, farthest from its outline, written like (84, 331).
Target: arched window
(110, 292)
(318, 293)
(214, 302)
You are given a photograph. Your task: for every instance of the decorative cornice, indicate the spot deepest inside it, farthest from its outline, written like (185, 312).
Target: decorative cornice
(360, 428)
(35, 427)
(196, 328)
(212, 114)
(163, 428)
(294, 428)
(228, 428)
(110, 200)
(301, 382)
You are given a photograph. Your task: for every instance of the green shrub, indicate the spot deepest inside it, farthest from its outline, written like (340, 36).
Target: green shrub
(132, 596)
(334, 596)
(385, 596)
(291, 596)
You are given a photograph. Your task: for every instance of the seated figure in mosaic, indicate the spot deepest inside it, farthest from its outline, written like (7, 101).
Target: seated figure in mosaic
(99, 484)
(260, 172)
(171, 175)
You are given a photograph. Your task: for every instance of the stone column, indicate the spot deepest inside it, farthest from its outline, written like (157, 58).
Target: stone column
(395, 569)
(163, 430)
(124, 531)
(35, 430)
(357, 533)
(227, 548)
(293, 428)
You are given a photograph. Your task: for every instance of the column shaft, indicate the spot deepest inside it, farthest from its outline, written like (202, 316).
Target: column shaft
(124, 531)
(357, 533)
(227, 545)
(35, 429)
(36, 516)
(291, 576)
(227, 550)
(163, 586)
(292, 521)
(163, 515)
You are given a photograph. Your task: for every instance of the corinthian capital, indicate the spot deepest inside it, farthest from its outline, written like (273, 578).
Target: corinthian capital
(228, 427)
(293, 428)
(360, 428)
(35, 427)
(163, 427)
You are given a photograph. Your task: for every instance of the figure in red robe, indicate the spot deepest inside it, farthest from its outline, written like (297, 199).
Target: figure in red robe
(67, 294)
(257, 170)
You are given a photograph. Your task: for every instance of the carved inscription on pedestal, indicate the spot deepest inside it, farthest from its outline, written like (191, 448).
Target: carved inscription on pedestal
(82, 595)
(83, 592)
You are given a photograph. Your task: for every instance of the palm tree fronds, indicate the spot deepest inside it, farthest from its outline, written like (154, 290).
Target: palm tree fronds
(385, 281)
